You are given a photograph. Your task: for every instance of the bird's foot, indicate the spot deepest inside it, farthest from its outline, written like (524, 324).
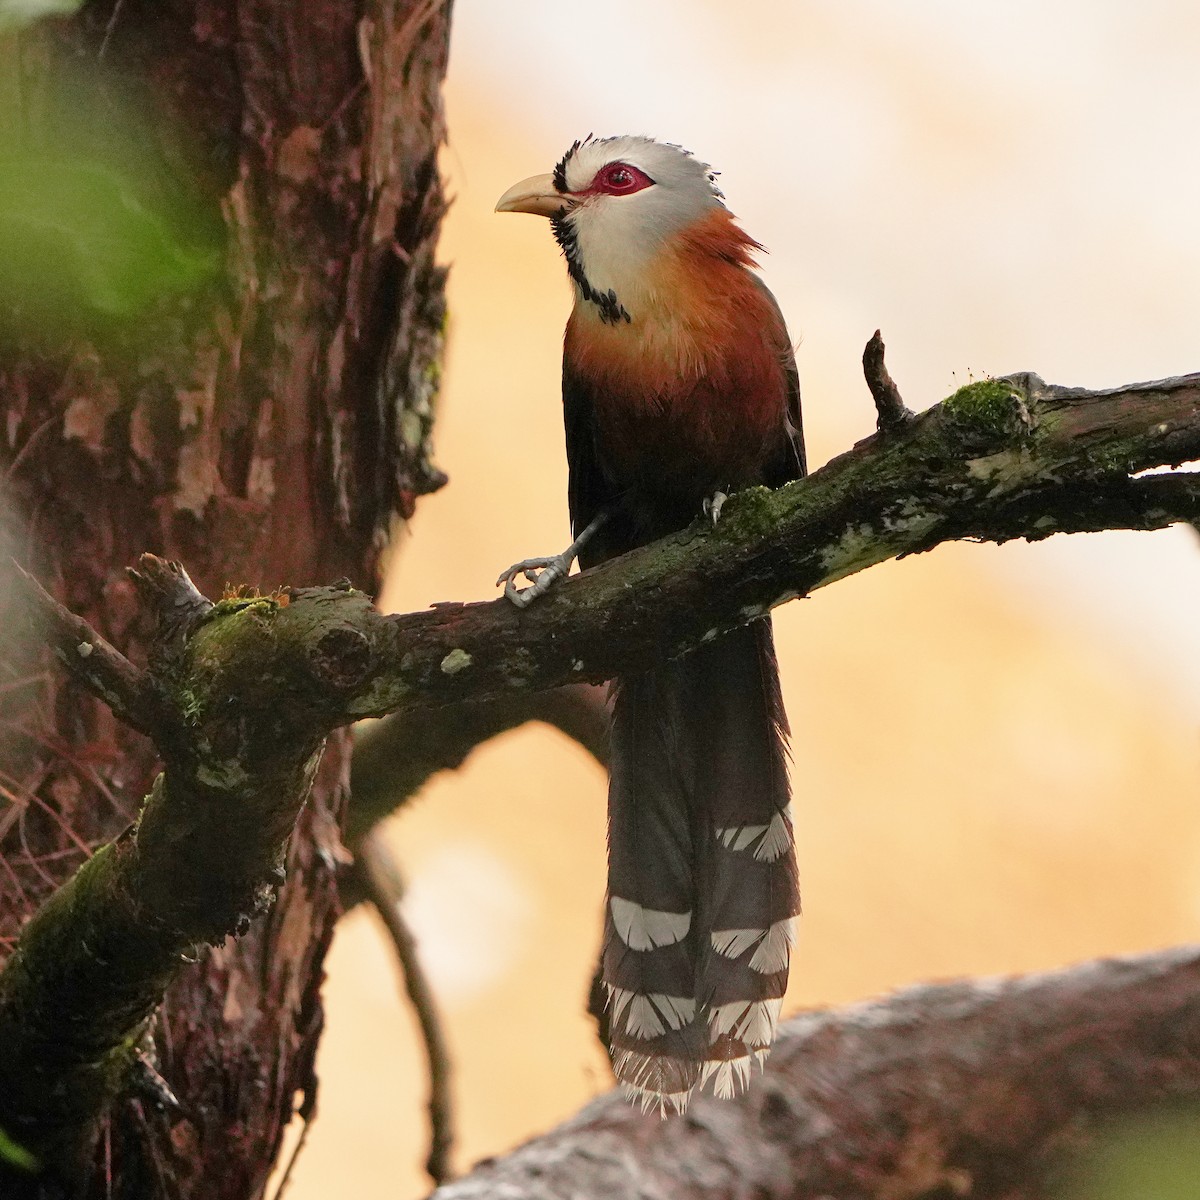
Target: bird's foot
(542, 574)
(713, 505)
(148, 1083)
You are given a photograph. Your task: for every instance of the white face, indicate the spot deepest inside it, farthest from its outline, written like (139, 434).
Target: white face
(630, 195)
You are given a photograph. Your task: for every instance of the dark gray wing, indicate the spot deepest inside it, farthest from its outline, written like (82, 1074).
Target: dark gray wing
(790, 463)
(590, 489)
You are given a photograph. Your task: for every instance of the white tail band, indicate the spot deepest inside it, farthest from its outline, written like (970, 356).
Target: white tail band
(729, 1076)
(649, 1016)
(777, 841)
(774, 945)
(775, 950)
(750, 1021)
(733, 943)
(773, 840)
(647, 928)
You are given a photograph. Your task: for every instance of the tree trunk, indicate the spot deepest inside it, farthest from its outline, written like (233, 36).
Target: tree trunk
(264, 427)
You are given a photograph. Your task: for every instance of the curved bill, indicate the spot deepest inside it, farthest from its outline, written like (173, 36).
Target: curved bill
(536, 195)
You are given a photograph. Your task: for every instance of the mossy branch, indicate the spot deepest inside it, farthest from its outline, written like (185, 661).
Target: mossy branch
(240, 717)
(244, 692)
(1002, 459)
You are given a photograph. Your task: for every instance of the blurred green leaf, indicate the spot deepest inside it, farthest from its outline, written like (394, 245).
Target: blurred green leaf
(100, 217)
(1156, 1157)
(14, 1155)
(15, 13)
(76, 233)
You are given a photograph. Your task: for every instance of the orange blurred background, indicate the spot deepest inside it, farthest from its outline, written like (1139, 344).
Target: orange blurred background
(996, 749)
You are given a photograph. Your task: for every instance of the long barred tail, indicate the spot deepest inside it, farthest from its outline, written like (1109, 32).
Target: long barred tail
(702, 876)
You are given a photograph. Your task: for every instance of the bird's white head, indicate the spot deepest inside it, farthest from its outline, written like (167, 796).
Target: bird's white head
(615, 203)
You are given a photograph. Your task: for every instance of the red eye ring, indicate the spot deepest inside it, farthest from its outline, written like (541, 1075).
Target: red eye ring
(620, 179)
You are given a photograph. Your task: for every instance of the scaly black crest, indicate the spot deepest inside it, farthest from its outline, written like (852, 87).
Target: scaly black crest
(560, 167)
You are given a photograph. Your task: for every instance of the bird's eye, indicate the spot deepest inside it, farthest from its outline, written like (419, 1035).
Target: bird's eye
(621, 179)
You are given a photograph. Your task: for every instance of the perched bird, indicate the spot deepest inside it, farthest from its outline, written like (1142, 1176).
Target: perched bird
(679, 386)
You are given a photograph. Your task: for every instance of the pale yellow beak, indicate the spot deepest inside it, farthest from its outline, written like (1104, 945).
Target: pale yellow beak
(536, 195)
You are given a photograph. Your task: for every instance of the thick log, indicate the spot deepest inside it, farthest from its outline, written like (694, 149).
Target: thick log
(958, 1090)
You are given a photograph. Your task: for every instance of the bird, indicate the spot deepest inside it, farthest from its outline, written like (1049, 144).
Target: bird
(679, 388)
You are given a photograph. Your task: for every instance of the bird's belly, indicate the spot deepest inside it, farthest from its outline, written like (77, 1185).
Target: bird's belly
(685, 407)
(669, 453)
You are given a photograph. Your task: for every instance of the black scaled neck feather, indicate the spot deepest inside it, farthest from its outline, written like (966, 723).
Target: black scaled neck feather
(612, 311)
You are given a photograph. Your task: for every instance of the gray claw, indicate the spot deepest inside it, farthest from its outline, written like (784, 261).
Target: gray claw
(713, 506)
(541, 573)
